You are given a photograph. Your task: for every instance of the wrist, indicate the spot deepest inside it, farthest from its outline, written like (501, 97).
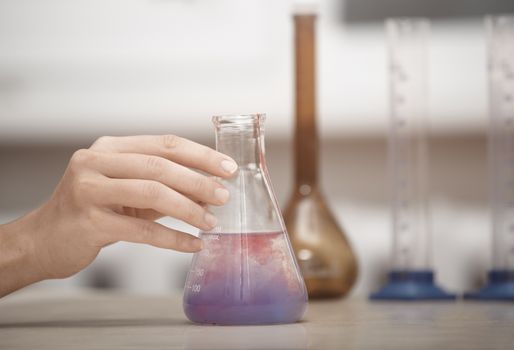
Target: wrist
(19, 265)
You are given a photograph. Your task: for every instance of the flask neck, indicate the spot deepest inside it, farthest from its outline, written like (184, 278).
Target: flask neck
(306, 152)
(306, 137)
(243, 141)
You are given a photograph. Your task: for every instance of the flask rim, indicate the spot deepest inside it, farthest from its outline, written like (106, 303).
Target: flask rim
(238, 119)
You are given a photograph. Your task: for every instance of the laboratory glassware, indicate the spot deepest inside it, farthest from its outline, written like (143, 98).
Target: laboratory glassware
(411, 276)
(246, 273)
(500, 40)
(324, 254)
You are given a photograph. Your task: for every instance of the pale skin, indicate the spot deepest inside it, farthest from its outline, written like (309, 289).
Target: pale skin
(114, 191)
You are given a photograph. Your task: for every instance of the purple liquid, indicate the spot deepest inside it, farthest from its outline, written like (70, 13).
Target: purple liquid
(244, 279)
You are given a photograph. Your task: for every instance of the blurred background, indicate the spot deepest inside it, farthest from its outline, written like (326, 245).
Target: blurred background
(72, 71)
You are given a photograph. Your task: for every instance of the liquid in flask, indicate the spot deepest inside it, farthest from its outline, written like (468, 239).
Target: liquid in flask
(246, 273)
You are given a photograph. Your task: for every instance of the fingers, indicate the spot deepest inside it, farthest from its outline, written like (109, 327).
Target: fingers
(135, 230)
(178, 177)
(177, 149)
(147, 194)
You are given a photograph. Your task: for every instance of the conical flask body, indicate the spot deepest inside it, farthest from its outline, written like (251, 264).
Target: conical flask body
(246, 273)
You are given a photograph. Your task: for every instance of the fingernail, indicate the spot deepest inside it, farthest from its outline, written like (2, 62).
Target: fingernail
(210, 220)
(221, 195)
(229, 166)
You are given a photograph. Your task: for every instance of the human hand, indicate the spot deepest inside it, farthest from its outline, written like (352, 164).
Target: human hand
(114, 191)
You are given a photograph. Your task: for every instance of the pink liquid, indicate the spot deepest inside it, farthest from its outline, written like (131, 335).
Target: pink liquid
(244, 279)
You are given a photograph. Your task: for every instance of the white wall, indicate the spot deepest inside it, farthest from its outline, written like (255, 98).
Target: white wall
(81, 68)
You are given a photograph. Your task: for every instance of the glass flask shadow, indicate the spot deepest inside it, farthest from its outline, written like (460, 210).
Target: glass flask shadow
(246, 272)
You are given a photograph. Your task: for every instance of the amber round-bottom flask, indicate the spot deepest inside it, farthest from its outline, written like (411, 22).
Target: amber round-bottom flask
(324, 254)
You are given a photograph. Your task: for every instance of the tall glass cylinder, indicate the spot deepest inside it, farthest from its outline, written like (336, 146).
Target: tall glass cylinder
(411, 276)
(500, 67)
(407, 39)
(500, 37)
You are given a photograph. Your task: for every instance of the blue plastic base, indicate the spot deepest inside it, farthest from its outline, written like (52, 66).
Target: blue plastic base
(411, 285)
(500, 286)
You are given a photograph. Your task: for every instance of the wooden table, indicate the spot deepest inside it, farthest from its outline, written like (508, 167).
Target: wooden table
(115, 321)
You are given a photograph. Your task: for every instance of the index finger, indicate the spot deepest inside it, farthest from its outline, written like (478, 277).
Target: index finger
(174, 148)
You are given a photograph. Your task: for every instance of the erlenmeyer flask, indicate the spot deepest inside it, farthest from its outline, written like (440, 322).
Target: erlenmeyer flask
(246, 272)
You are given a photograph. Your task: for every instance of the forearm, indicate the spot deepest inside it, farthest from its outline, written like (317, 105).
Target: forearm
(18, 264)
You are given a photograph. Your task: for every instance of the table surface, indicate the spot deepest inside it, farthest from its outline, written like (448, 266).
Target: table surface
(96, 320)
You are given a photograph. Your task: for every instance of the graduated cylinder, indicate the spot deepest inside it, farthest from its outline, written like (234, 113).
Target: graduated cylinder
(411, 276)
(500, 34)
(408, 153)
